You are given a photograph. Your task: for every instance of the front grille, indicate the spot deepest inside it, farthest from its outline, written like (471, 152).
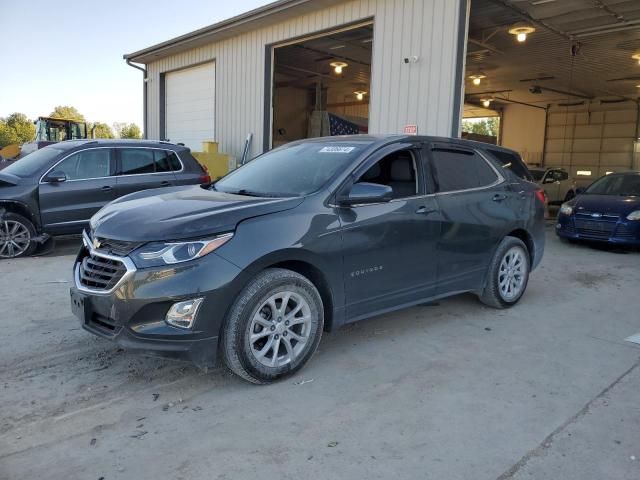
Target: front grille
(105, 324)
(99, 273)
(594, 229)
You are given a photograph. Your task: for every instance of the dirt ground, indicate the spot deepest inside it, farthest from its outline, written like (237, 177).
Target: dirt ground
(546, 390)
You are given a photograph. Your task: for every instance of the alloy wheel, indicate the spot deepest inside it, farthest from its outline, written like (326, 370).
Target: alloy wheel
(15, 238)
(512, 273)
(280, 329)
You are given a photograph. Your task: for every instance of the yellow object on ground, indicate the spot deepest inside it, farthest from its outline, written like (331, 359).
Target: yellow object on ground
(218, 164)
(10, 151)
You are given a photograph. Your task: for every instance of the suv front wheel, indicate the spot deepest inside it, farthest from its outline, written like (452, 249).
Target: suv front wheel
(16, 236)
(508, 274)
(274, 326)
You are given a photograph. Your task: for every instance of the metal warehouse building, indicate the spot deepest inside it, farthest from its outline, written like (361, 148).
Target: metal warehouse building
(561, 76)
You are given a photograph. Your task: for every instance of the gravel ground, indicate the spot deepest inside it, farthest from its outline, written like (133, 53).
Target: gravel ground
(547, 390)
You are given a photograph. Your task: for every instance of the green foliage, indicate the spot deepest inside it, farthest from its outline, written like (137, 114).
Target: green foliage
(16, 128)
(489, 126)
(130, 130)
(101, 130)
(68, 113)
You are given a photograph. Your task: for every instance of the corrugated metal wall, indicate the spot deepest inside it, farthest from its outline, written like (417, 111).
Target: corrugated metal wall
(598, 137)
(419, 93)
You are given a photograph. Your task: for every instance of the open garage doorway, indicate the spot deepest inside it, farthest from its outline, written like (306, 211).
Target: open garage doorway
(321, 85)
(563, 76)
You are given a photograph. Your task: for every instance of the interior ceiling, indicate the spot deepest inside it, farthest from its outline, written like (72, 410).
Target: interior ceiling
(303, 64)
(603, 33)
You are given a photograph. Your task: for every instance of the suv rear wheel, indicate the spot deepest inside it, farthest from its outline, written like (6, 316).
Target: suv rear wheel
(508, 274)
(16, 236)
(274, 326)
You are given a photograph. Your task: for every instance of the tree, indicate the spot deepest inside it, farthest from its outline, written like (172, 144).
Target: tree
(68, 113)
(16, 128)
(486, 126)
(130, 131)
(101, 130)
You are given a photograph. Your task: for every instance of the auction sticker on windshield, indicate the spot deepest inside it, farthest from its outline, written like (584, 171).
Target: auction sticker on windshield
(337, 149)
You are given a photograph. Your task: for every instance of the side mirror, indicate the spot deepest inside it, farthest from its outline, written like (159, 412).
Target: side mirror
(367, 193)
(549, 180)
(57, 176)
(580, 190)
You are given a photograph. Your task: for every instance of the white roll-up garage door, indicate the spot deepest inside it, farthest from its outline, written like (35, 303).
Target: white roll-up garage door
(190, 105)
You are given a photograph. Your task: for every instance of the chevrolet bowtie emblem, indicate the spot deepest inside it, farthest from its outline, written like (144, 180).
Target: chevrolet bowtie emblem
(96, 243)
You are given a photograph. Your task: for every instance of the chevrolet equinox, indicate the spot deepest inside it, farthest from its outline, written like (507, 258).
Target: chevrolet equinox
(304, 239)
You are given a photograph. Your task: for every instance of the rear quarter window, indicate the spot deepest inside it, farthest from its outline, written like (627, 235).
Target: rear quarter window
(513, 162)
(460, 170)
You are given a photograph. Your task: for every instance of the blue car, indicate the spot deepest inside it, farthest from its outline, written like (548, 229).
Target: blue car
(607, 211)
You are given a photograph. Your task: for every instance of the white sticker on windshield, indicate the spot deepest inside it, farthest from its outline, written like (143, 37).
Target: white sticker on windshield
(337, 149)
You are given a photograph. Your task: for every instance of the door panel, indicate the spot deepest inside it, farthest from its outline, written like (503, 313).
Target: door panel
(66, 207)
(476, 206)
(138, 170)
(388, 248)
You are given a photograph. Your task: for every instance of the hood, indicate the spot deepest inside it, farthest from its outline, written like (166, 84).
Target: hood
(8, 180)
(606, 204)
(180, 213)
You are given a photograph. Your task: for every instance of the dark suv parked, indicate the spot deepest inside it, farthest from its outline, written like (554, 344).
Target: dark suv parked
(308, 237)
(56, 190)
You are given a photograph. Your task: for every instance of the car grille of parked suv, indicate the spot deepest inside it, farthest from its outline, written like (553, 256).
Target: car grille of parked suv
(117, 247)
(99, 273)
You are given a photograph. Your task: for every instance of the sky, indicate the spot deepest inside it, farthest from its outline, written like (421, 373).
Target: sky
(70, 53)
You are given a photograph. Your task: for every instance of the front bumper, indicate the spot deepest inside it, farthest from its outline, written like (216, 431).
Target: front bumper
(620, 232)
(132, 314)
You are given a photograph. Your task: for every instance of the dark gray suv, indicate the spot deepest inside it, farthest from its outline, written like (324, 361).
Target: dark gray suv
(305, 238)
(56, 190)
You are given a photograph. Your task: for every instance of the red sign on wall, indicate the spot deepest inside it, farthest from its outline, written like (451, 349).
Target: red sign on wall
(410, 129)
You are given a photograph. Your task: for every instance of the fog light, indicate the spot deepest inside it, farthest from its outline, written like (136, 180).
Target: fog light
(183, 314)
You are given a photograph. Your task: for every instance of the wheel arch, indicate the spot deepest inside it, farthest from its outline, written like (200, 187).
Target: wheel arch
(19, 208)
(308, 265)
(527, 239)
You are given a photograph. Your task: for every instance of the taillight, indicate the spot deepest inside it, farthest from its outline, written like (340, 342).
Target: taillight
(540, 195)
(205, 178)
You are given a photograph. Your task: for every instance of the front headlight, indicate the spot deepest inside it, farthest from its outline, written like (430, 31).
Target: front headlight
(158, 254)
(566, 209)
(634, 215)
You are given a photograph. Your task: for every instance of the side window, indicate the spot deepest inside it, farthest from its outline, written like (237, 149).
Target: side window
(166, 161)
(562, 175)
(94, 163)
(134, 161)
(397, 170)
(460, 170)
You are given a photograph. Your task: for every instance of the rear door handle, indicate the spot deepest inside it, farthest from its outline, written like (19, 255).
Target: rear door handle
(107, 188)
(165, 183)
(499, 197)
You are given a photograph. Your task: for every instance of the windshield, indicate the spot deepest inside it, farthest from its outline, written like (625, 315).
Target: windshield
(625, 185)
(33, 163)
(292, 170)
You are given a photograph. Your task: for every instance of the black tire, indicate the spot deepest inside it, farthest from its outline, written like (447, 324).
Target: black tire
(492, 295)
(15, 218)
(237, 349)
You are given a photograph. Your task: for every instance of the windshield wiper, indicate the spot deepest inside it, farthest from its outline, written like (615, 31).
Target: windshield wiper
(249, 193)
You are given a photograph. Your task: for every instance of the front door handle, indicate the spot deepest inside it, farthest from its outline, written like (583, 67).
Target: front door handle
(499, 197)
(165, 183)
(107, 188)
(424, 210)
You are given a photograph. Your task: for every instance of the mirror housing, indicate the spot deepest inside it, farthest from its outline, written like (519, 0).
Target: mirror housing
(57, 176)
(580, 190)
(366, 193)
(549, 180)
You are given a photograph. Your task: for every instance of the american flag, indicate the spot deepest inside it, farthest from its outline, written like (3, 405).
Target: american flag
(340, 126)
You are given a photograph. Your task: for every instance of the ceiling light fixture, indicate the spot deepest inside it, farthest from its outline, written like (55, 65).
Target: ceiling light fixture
(636, 56)
(521, 30)
(338, 67)
(477, 78)
(360, 94)
(486, 102)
